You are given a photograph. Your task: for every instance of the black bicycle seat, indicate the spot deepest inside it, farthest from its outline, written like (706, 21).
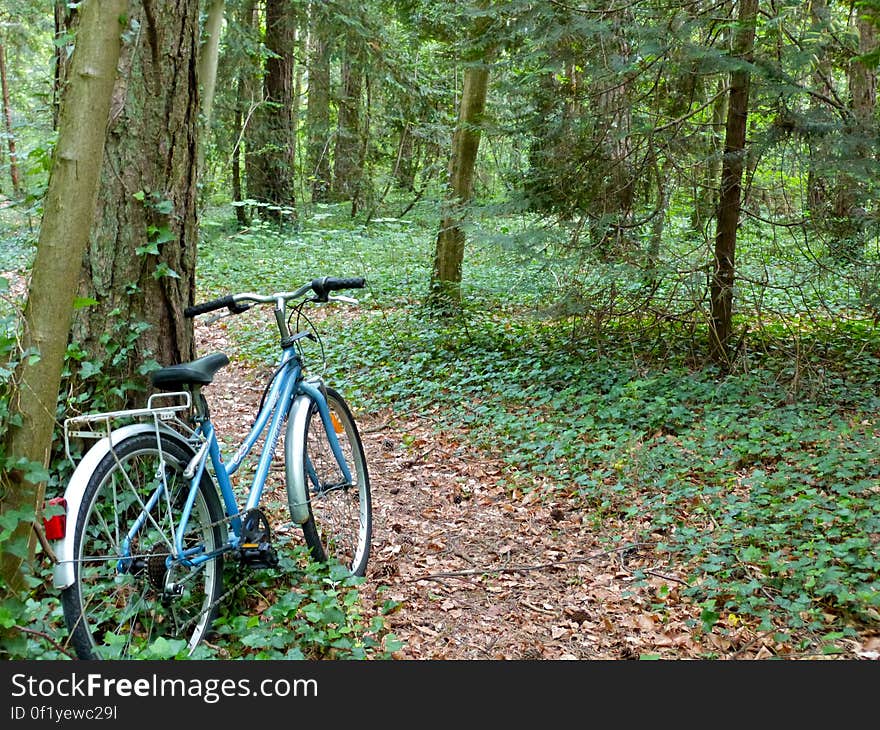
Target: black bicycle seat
(197, 372)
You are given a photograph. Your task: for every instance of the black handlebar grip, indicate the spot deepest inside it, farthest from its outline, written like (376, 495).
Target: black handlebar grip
(197, 309)
(322, 287)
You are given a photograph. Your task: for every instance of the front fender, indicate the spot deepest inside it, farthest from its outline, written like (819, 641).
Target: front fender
(64, 572)
(294, 443)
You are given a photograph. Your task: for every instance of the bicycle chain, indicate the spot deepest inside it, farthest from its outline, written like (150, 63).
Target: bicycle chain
(217, 601)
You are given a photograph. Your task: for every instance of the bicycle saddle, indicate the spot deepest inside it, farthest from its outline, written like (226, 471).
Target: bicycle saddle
(197, 372)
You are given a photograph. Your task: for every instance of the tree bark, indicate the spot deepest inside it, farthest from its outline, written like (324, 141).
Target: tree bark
(242, 215)
(140, 264)
(347, 167)
(244, 106)
(65, 17)
(270, 164)
(208, 58)
(68, 213)
(449, 250)
(7, 114)
(706, 194)
(849, 214)
(730, 199)
(318, 110)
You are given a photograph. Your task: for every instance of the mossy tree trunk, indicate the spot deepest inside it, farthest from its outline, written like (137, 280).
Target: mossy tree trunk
(68, 213)
(449, 248)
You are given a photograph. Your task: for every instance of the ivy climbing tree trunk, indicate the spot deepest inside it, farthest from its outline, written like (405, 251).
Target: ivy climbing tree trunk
(139, 268)
(64, 231)
(730, 200)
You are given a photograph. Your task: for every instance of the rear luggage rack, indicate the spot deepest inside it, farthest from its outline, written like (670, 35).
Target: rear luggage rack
(98, 425)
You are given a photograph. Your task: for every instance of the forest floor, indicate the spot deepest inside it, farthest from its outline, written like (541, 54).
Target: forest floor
(481, 571)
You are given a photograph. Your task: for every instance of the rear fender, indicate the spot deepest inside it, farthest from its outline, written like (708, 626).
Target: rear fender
(64, 571)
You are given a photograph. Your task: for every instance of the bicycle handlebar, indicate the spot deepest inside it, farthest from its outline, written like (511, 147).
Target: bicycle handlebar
(238, 303)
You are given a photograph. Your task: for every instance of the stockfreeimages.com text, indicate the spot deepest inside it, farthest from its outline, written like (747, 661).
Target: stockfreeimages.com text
(209, 690)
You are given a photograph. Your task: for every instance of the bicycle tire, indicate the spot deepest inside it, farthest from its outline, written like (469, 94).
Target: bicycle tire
(340, 522)
(121, 601)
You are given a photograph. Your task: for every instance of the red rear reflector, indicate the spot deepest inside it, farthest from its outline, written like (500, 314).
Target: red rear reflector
(56, 525)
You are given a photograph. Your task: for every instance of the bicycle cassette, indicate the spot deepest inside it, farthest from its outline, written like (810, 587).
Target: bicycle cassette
(256, 548)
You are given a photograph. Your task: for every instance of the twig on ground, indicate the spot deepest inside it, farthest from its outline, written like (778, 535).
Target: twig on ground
(526, 568)
(44, 635)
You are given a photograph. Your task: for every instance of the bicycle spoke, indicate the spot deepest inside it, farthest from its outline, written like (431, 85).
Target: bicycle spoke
(124, 599)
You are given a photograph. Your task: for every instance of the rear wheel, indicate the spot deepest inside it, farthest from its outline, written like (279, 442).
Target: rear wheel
(340, 522)
(128, 590)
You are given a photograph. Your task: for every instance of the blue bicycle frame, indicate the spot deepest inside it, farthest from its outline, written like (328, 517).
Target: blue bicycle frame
(287, 386)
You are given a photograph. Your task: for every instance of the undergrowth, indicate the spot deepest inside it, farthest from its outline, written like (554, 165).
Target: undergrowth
(760, 483)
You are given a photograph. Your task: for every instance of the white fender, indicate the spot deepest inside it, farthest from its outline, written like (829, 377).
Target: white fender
(64, 573)
(294, 441)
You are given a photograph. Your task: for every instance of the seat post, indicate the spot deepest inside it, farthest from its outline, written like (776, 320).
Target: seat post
(201, 404)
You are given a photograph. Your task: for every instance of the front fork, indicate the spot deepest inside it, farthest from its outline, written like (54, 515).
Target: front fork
(311, 391)
(317, 394)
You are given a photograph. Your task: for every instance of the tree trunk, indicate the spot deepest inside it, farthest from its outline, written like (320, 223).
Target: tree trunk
(296, 98)
(10, 135)
(140, 264)
(405, 166)
(318, 110)
(706, 194)
(64, 231)
(449, 251)
(244, 107)
(346, 157)
(850, 203)
(614, 209)
(817, 179)
(270, 164)
(721, 288)
(208, 57)
(65, 17)
(241, 213)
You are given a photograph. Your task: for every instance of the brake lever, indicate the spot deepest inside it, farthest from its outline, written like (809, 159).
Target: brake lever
(230, 310)
(218, 317)
(343, 298)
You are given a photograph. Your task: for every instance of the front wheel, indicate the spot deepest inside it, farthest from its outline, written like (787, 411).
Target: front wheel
(340, 521)
(129, 590)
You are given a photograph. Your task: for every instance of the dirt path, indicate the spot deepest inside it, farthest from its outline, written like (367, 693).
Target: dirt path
(485, 574)
(480, 572)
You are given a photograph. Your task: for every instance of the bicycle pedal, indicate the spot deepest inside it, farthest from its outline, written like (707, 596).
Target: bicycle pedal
(258, 556)
(256, 549)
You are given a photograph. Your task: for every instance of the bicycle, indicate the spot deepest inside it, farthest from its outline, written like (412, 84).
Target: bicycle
(152, 505)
